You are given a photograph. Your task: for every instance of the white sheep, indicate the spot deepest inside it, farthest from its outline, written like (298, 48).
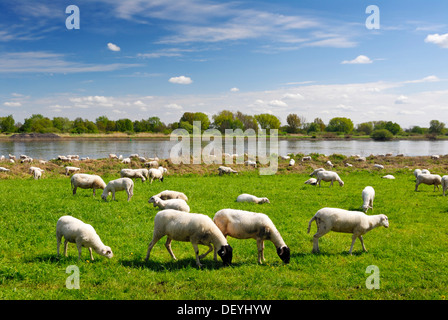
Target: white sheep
(170, 194)
(176, 204)
(36, 172)
(121, 184)
(311, 181)
(292, 162)
(328, 176)
(307, 158)
(250, 163)
(242, 224)
(87, 181)
(368, 195)
(84, 235)
(316, 171)
(157, 173)
(378, 166)
(388, 176)
(133, 174)
(330, 164)
(190, 227)
(151, 164)
(340, 220)
(244, 197)
(429, 179)
(3, 169)
(435, 157)
(444, 184)
(126, 161)
(227, 170)
(69, 170)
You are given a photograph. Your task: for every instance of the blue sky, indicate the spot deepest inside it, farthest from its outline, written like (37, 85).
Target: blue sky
(136, 59)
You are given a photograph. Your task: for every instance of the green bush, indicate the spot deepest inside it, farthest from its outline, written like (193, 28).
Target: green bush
(382, 135)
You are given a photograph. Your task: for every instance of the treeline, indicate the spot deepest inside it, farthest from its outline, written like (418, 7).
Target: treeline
(295, 124)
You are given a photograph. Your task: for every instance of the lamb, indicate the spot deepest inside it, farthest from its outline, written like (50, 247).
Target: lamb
(169, 194)
(246, 224)
(84, 235)
(429, 179)
(228, 170)
(444, 184)
(176, 204)
(156, 173)
(120, 184)
(250, 163)
(193, 227)
(388, 176)
(368, 194)
(244, 197)
(69, 170)
(87, 181)
(133, 174)
(340, 220)
(36, 172)
(328, 176)
(311, 181)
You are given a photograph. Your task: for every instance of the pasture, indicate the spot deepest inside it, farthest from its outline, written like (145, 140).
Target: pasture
(411, 255)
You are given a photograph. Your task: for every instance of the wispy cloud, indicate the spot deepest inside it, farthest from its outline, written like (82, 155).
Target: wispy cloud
(439, 39)
(113, 47)
(361, 59)
(181, 80)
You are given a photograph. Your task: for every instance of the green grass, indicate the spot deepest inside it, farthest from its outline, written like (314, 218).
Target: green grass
(411, 254)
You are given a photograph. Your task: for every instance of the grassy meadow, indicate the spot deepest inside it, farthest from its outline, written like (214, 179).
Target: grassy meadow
(411, 255)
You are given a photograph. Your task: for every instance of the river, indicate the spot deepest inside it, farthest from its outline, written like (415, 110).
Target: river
(95, 149)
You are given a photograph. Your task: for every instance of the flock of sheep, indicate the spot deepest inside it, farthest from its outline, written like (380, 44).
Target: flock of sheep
(175, 221)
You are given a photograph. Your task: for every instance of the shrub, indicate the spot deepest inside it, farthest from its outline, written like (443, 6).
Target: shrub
(382, 135)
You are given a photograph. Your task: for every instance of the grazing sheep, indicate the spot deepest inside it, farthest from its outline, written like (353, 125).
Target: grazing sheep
(340, 220)
(87, 181)
(84, 235)
(156, 173)
(152, 164)
(368, 194)
(378, 166)
(348, 164)
(388, 176)
(435, 157)
(176, 204)
(250, 198)
(69, 170)
(292, 162)
(316, 171)
(429, 179)
(307, 158)
(444, 184)
(250, 163)
(121, 184)
(329, 176)
(359, 158)
(36, 172)
(241, 224)
(228, 170)
(311, 181)
(126, 161)
(3, 169)
(26, 159)
(113, 156)
(193, 227)
(330, 164)
(169, 194)
(133, 174)
(285, 157)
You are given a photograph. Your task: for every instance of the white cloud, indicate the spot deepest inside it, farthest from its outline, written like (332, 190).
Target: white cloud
(181, 80)
(174, 106)
(277, 103)
(425, 79)
(293, 96)
(439, 39)
(401, 99)
(12, 104)
(113, 47)
(234, 90)
(361, 59)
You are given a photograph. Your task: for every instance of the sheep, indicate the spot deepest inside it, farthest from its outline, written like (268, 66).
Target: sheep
(3, 169)
(435, 157)
(428, 179)
(69, 170)
(328, 163)
(113, 156)
(368, 194)
(242, 224)
(340, 220)
(285, 157)
(133, 174)
(311, 181)
(307, 158)
(444, 184)
(425, 171)
(36, 172)
(26, 159)
(388, 176)
(193, 227)
(348, 164)
(87, 181)
(378, 166)
(328, 176)
(126, 161)
(244, 197)
(84, 235)
(156, 173)
(169, 194)
(316, 171)
(359, 158)
(176, 204)
(250, 163)
(228, 170)
(292, 162)
(151, 164)
(120, 184)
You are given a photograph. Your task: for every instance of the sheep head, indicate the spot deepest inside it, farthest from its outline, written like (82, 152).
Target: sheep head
(284, 253)
(226, 252)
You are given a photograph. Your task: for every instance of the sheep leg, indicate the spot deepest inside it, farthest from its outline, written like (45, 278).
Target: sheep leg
(196, 251)
(168, 247)
(79, 246)
(65, 247)
(210, 249)
(151, 245)
(94, 192)
(416, 186)
(113, 195)
(58, 240)
(74, 189)
(91, 256)
(353, 242)
(260, 246)
(362, 243)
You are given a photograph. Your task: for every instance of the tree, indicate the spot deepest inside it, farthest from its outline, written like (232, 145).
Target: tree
(365, 127)
(124, 125)
(226, 120)
(382, 135)
(436, 127)
(62, 124)
(320, 123)
(190, 117)
(101, 123)
(7, 124)
(340, 124)
(294, 123)
(268, 121)
(248, 121)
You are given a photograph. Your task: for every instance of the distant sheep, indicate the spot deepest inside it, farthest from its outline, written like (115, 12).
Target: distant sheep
(311, 181)
(169, 194)
(70, 170)
(241, 224)
(388, 176)
(133, 174)
(428, 179)
(223, 169)
(244, 197)
(121, 184)
(84, 235)
(86, 181)
(368, 195)
(340, 220)
(3, 169)
(176, 204)
(36, 172)
(156, 173)
(329, 176)
(307, 158)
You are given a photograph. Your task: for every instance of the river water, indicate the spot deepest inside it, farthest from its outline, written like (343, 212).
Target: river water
(96, 149)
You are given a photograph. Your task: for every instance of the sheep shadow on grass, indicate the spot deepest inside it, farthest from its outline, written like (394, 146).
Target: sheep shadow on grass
(179, 264)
